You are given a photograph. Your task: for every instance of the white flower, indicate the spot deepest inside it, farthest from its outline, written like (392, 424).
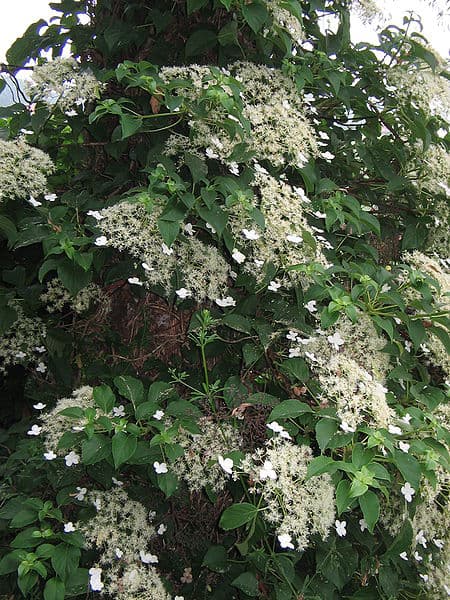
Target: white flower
(404, 446)
(160, 467)
(258, 263)
(97, 503)
(39, 406)
(147, 267)
(50, 197)
(286, 541)
(34, 202)
(161, 529)
(407, 491)
(424, 576)
(224, 302)
(118, 552)
(275, 427)
(403, 555)
(20, 354)
(178, 598)
(50, 455)
(363, 525)
(320, 215)
(188, 228)
(274, 286)
(259, 169)
(295, 352)
(233, 167)
(35, 430)
(295, 239)
(292, 335)
(101, 241)
(210, 153)
(439, 544)
(335, 340)
(72, 458)
(406, 418)
(210, 227)
(41, 368)
(82, 491)
(341, 528)
(117, 482)
(68, 527)
(226, 464)
(417, 556)
(327, 155)
(267, 471)
(135, 281)
(71, 113)
(421, 539)
(96, 214)
(394, 430)
(166, 250)
(311, 306)
(238, 256)
(251, 234)
(95, 579)
(158, 415)
(118, 411)
(311, 356)
(183, 293)
(447, 589)
(40, 349)
(78, 428)
(346, 428)
(147, 558)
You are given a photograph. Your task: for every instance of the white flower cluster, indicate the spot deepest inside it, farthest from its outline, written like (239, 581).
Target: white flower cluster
(121, 531)
(351, 367)
(57, 297)
(23, 170)
(53, 424)
(202, 271)
(438, 241)
(285, 20)
(63, 83)
(287, 238)
(297, 508)
(22, 343)
(421, 87)
(278, 128)
(198, 466)
(434, 348)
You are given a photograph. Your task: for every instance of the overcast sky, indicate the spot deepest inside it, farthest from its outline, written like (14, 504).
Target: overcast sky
(17, 15)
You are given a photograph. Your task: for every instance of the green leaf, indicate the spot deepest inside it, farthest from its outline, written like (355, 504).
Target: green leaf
(199, 41)
(123, 447)
(289, 409)
(342, 495)
(168, 483)
(228, 34)
(104, 398)
(65, 560)
(417, 332)
(296, 368)
(409, 467)
(255, 15)
(8, 228)
(23, 48)
(196, 166)
(95, 449)
(130, 388)
(73, 277)
(8, 317)
(338, 565)
(169, 230)
(370, 506)
(401, 543)
(183, 408)
(193, 5)
(325, 429)
(237, 514)
(237, 322)
(216, 559)
(146, 410)
(321, 464)
(358, 488)
(24, 517)
(262, 398)
(248, 583)
(9, 563)
(54, 589)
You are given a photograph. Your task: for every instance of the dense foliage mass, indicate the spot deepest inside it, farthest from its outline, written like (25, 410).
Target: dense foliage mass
(224, 306)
